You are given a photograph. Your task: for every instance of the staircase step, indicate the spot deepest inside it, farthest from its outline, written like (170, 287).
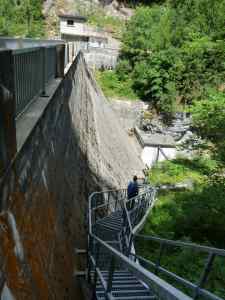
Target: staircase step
(139, 298)
(111, 227)
(127, 293)
(109, 221)
(120, 287)
(125, 285)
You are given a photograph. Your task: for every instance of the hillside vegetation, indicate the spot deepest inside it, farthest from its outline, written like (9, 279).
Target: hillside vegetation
(21, 18)
(194, 215)
(173, 55)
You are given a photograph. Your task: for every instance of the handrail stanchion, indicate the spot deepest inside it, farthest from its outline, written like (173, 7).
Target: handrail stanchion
(205, 274)
(111, 273)
(43, 92)
(97, 250)
(127, 238)
(90, 246)
(157, 265)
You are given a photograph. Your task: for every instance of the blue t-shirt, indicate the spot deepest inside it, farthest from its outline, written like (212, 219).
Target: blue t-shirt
(132, 189)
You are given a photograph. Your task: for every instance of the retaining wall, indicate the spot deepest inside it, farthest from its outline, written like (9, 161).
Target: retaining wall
(76, 147)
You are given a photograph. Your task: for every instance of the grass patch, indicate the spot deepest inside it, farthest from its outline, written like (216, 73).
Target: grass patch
(114, 88)
(181, 170)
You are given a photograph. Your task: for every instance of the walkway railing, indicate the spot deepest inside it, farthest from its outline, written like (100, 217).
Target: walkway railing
(134, 211)
(33, 69)
(197, 290)
(30, 70)
(102, 204)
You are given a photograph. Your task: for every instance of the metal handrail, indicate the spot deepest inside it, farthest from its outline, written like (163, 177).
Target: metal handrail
(158, 284)
(197, 289)
(186, 283)
(90, 208)
(217, 251)
(33, 68)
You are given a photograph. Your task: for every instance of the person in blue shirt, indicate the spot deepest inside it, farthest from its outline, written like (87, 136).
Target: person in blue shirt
(132, 190)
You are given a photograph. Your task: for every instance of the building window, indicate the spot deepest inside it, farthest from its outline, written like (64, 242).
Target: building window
(70, 22)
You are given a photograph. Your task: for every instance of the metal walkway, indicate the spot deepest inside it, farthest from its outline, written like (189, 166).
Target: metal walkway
(114, 269)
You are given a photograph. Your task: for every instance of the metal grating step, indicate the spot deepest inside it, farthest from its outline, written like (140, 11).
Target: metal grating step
(127, 293)
(125, 285)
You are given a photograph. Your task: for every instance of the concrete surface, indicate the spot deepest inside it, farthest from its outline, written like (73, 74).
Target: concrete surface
(77, 146)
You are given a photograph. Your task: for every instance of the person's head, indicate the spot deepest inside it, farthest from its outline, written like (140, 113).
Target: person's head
(135, 178)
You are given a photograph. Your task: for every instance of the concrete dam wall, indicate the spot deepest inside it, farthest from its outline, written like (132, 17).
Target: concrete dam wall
(76, 147)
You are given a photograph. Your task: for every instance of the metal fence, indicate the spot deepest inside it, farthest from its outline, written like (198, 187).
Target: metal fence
(102, 205)
(33, 69)
(27, 75)
(197, 290)
(50, 63)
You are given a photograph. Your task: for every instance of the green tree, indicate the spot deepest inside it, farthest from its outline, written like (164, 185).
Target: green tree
(21, 18)
(6, 16)
(174, 52)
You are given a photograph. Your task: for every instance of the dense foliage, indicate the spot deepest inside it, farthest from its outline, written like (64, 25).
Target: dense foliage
(196, 215)
(174, 52)
(21, 18)
(174, 55)
(113, 87)
(209, 121)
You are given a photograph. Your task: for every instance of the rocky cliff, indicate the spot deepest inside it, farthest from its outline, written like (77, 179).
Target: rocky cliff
(76, 147)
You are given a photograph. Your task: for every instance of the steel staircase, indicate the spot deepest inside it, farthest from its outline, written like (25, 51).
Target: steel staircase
(114, 269)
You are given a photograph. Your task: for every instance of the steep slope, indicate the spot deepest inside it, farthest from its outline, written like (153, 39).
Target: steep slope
(109, 151)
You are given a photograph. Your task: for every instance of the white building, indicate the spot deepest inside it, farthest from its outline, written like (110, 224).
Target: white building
(75, 28)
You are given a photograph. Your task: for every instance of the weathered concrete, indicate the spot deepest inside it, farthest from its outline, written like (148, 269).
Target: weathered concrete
(7, 111)
(75, 148)
(101, 58)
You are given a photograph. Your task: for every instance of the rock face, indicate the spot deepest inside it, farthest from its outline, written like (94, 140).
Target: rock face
(76, 147)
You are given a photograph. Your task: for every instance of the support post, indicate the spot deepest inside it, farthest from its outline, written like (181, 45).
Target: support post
(60, 60)
(205, 274)
(8, 145)
(111, 273)
(157, 265)
(43, 52)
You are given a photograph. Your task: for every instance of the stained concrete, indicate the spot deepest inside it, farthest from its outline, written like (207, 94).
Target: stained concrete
(76, 147)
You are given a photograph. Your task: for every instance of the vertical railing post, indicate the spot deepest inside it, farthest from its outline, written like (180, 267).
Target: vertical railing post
(60, 60)
(97, 250)
(7, 110)
(108, 196)
(110, 277)
(205, 274)
(158, 262)
(130, 244)
(117, 195)
(89, 253)
(43, 54)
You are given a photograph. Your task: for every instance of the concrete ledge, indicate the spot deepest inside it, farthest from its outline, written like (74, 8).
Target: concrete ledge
(154, 140)
(29, 118)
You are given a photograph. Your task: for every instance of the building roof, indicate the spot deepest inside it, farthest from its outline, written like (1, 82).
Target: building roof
(155, 139)
(73, 16)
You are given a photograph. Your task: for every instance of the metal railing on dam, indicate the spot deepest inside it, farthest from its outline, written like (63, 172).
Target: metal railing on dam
(26, 73)
(34, 64)
(33, 69)
(30, 69)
